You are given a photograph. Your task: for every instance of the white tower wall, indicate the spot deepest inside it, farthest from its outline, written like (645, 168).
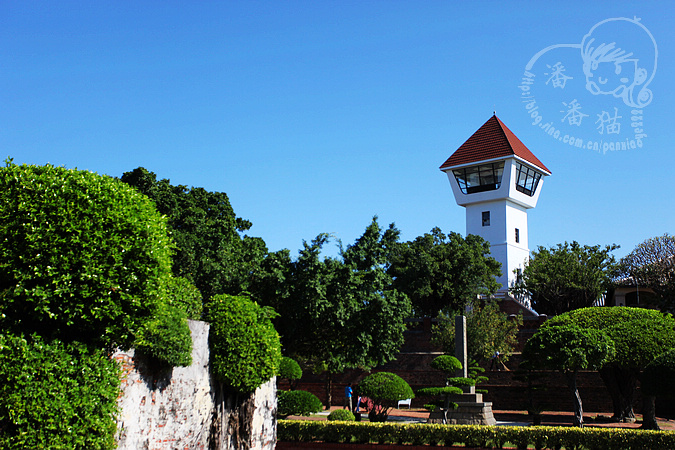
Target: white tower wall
(508, 246)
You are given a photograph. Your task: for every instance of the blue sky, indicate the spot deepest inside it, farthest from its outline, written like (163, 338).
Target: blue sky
(314, 116)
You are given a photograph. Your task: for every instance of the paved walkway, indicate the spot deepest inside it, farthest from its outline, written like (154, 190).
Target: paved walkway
(514, 418)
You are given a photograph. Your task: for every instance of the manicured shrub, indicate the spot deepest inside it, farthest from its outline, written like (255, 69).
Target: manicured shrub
(55, 395)
(82, 256)
(385, 389)
(166, 337)
(298, 403)
(245, 347)
(289, 369)
(341, 414)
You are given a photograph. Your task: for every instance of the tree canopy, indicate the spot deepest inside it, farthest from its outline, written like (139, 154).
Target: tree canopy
(443, 272)
(566, 277)
(652, 265)
(210, 251)
(639, 335)
(338, 312)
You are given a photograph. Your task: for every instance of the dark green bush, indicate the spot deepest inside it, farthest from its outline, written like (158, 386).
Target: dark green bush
(341, 414)
(184, 294)
(385, 389)
(289, 369)
(245, 347)
(55, 395)
(297, 403)
(166, 337)
(82, 256)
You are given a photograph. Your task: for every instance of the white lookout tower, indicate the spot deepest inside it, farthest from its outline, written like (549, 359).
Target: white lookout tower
(497, 179)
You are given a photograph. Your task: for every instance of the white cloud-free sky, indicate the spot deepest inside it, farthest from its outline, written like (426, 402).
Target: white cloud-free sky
(314, 116)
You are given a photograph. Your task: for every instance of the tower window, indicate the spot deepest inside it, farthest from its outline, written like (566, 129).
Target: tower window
(527, 179)
(517, 235)
(486, 218)
(485, 177)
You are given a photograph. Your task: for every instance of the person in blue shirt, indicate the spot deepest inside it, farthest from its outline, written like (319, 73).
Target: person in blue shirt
(348, 397)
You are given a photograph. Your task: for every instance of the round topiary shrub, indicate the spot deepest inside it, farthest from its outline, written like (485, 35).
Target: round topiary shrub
(341, 414)
(289, 369)
(297, 403)
(384, 389)
(82, 256)
(446, 363)
(245, 347)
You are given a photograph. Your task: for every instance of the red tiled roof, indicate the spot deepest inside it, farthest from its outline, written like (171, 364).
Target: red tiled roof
(492, 140)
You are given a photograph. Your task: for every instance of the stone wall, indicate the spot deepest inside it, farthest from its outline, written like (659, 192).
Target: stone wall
(176, 408)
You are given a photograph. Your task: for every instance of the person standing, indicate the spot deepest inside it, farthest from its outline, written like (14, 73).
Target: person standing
(348, 397)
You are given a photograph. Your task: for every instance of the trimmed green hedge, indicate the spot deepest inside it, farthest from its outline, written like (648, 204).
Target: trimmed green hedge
(474, 436)
(55, 395)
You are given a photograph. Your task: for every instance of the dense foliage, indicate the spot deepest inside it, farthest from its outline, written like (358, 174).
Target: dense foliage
(652, 265)
(566, 277)
(568, 348)
(82, 256)
(340, 312)
(185, 295)
(245, 347)
(297, 403)
(384, 389)
(55, 395)
(639, 336)
(166, 337)
(210, 251)
(488, 330)
(473, 436)
(440, 272)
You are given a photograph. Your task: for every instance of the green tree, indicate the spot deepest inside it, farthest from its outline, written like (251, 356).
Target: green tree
(440, 272)
(488, 330)
(657, 379)
(210, 252)
(566, 277)
(568, 349)
(82, 256)
(341, 313)
(652, 265)
(639, 336)
(384, 389)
